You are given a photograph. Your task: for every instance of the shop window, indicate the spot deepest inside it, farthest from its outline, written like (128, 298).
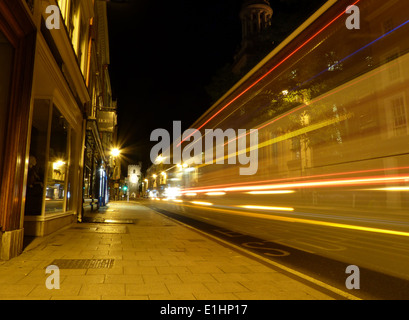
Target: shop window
(6, 63)
(38, 157)
(57, 164)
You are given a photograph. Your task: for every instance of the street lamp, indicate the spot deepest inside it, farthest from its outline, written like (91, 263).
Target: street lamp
(115, 152)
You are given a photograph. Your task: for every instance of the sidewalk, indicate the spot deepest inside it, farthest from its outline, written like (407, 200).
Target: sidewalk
(154, 258)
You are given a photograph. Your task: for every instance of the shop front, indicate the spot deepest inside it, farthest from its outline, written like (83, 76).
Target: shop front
(54, 181)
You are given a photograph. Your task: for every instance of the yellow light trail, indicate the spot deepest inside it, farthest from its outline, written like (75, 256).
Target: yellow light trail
(306, 221)
(202, 203)
(271, 192)
(311, 184)
(389, 189)
(267, 208)
(215, 193)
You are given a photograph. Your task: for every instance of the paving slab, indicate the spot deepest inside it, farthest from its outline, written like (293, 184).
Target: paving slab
(154, 258)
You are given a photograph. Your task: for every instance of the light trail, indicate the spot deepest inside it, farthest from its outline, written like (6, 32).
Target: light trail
(313, 184)
(268, 72)
(307, 221)
(219, 187)
(266, 208)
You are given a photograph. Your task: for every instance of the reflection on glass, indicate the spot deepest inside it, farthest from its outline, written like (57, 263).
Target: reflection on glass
(57, 164)
(37, 161)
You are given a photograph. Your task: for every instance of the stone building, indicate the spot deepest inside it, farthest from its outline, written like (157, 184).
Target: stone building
(134, 180)
(48, 90)
(255, 17)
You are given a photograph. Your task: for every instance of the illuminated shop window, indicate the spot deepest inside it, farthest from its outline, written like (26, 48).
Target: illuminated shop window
(57, 164)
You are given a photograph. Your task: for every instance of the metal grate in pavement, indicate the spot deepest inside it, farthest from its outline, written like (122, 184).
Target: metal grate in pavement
(83, 263)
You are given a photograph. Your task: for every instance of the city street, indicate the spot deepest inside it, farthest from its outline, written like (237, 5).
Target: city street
(153, 258)
(204, 151)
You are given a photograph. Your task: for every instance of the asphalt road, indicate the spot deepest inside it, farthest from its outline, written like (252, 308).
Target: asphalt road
(319, 244)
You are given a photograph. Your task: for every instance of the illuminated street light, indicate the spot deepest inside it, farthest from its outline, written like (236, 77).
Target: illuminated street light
(159, 159)
(115, 152)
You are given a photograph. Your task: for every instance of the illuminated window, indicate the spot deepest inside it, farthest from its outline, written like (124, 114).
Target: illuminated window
(38, 157)
(57, 164)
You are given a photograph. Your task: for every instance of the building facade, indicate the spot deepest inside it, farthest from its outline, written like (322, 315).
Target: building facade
(101, 118)
(48, 92)
(134, 180)
(255, 16)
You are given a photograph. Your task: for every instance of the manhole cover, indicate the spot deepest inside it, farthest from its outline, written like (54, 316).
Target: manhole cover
(83, 263)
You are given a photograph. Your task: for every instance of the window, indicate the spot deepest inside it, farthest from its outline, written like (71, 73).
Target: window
(399, 116)
(296, 148)
(57, 163)
(38, 157)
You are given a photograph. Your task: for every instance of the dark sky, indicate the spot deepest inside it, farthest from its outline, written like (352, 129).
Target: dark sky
(164, 53)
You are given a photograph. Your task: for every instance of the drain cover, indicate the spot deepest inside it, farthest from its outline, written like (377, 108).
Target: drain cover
(83, 263)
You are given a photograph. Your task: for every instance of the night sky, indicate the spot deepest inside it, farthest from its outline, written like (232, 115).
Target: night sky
(164, 54)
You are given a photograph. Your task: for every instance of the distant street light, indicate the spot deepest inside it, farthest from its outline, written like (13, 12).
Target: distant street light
(115, 152)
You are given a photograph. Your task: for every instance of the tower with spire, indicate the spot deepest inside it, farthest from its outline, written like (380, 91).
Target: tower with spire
(255, 18)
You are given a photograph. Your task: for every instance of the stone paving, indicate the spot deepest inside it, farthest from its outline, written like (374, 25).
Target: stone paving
(155, 258)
